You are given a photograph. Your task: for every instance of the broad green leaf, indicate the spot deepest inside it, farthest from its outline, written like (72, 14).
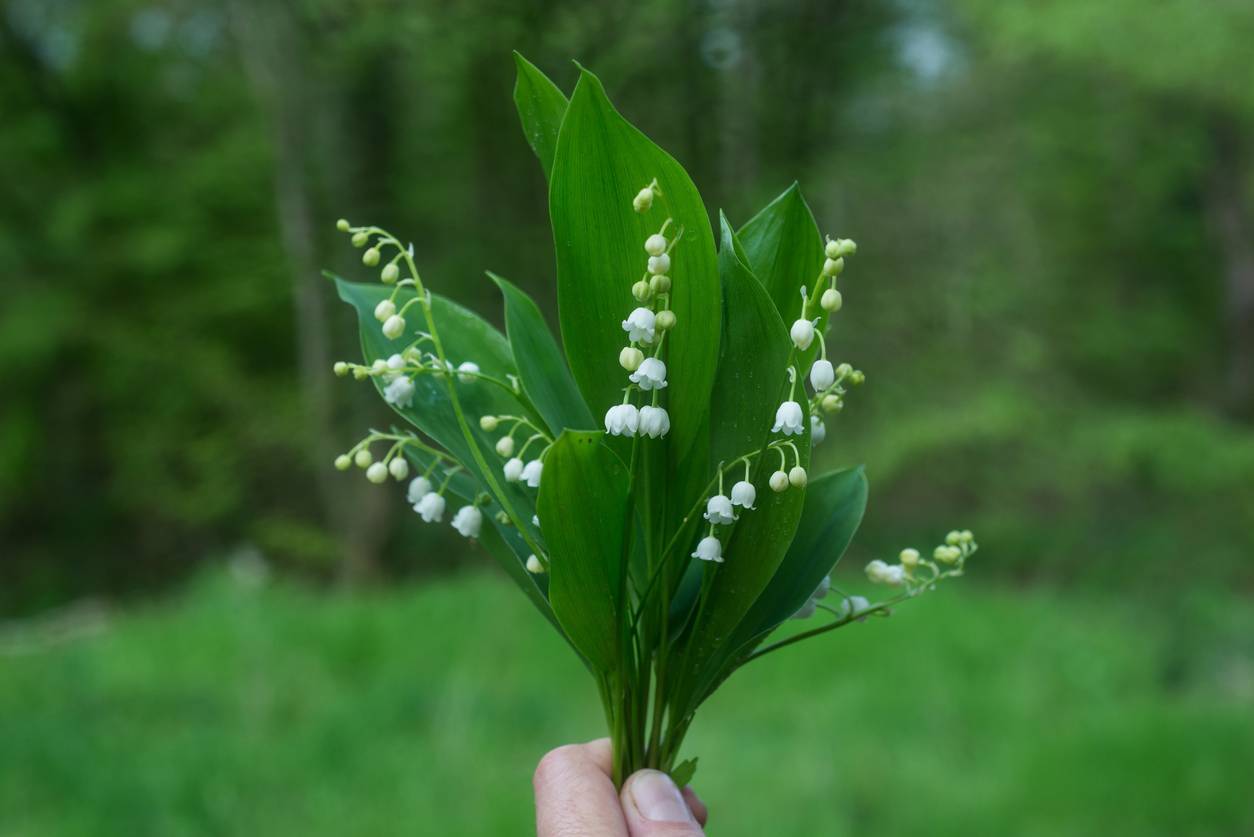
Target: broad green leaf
(784, 250)
(543, 372)
(465, 337)
(600, 165)
(541, 106)
(584, 513)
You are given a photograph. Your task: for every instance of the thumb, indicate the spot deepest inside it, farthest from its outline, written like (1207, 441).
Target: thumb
(654, 807)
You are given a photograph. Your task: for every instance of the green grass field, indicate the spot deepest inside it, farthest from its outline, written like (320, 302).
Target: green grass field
(972, 711)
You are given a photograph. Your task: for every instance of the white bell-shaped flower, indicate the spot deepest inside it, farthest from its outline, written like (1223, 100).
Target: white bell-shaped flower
(419, 487)
(802, 333)
(822, 375)
(718, 510)
(513, 470)
(744, 494)
(654, 422)
(622, 420)
(377, 473)
(852, 606)
(640, 326)
(806, 610)
(400, 393)
(467, 371)
(822, 590)
(468, 521)
(655, 245)
(384, 309)
(650, 375)
(431, 508)
(394, 326)
(779, 482)
(818, 430)
(531, 473)
(659, 264)
(788, 419)
(709, 549)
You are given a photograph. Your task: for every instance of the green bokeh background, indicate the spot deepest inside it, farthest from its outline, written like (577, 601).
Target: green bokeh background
(205, 629)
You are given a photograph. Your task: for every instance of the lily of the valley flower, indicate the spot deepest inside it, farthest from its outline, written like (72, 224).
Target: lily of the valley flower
(513, 470)
(654, 422)
(505, 446)
(394, 326)
(468, 521)
(399, 393)
(852, 606)
(467, 371)
(798, 476)
(802, 333)
(419, 487)
(879, 572)
(384, 309)
(377, 473)
(831, 300)
(622, 420)
(650, 375)
(818, 430)
(534, 565)
(531, 473)
(399, 468)
(659, 264)
(639, 325)
(431, 508)
(779, 482)
(709, 549)
(718, 510)
(744, 494)
(655, 245)
(822, 375)
(788, 419)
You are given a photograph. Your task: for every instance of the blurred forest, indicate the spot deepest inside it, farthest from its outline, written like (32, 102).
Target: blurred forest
(1053, 297)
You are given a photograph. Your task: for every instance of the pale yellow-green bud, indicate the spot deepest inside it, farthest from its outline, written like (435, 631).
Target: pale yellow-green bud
(343, 462)
(640, 290)
(630, 358)
(832, 403)
(778, 482)
(947, 554)
(377, 473)
(360, 373)
(909, 558)
(488, 423)
(831, 300)
(797, 476)
(953, 538)
(342, 225)
(843, 371)
(359, 239)
(967, 536)
(643, 200)
(370, 258)
(857, 378)
(665, 320)
(505, 446)
(340, 369)
(390, 273)
(660, 284)
(363, 458)
(833, 267)
(832, 250)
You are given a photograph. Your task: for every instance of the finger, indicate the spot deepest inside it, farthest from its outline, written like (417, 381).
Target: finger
(654, 807)
(698, 808)
(575, 795)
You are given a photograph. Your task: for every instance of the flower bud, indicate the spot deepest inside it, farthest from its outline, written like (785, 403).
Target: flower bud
(370, 258)
(640, 291)
(513, 470)
(360, 238)
(844, 371)
(660, 284)
(665, 320)
(534, 565)
(505, 446)
(779, 482)
(343, 462)
(379, 366)
(399, 468)
(946, 554)
(797, 476)
(643, 200)
(857, 378)
(630, 358)
(822, 375)
(384, 309)
(394, 327)
(909, 558)
(488, 423)
(659, 264)
(833, 267)
(967, 536)
(655, 245)
(363, 457)
(832, 403)
(390, 273)
(342, 225)
(831, 300)
(953, 538)
(360, 373)
(377, 473)
(802, 334)
(340, 369)
(832, 250)
(818, 430)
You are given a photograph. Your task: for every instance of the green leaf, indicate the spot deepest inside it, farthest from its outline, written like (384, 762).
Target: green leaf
(545, 378)
(600, 165)
(541, 106)
(784, 250)
(682, 773)
(584, 513)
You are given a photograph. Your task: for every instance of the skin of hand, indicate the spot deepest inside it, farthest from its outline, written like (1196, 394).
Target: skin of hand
(575, 796)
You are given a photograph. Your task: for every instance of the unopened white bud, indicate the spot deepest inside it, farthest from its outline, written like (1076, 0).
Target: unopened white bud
(343, 462)
(833, 267)
(394, 327)
(488, 423)
(822, 375)
(384, 309)
(399, 468)
(779, 482)
(390, 273)
(832, 250)
(831, 300)
(340, 369)
(665, 320)
(370, 258)
(802, 334)
(641, 291)
(534, 565)
(660, 264)
(797, 476)
(643, 200)
(630, 358)
(467, 370)
(818, 430)
(377, 473)
(909, 558)
(505, 446)
(363, 457)
(655, 245)
(832, 403)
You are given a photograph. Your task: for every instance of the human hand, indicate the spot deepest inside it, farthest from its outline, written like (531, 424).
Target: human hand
(575, 797)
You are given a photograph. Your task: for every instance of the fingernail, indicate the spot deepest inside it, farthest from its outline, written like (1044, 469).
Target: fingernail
(657, 798)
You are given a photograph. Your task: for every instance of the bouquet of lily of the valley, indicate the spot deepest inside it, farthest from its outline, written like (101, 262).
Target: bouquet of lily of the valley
(649, 488)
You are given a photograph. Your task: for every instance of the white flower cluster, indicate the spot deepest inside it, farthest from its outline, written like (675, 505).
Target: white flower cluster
(916, 574)
(646, 326)
(517, 468)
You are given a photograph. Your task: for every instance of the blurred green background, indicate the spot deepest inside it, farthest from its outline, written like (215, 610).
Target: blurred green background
(205, 629)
